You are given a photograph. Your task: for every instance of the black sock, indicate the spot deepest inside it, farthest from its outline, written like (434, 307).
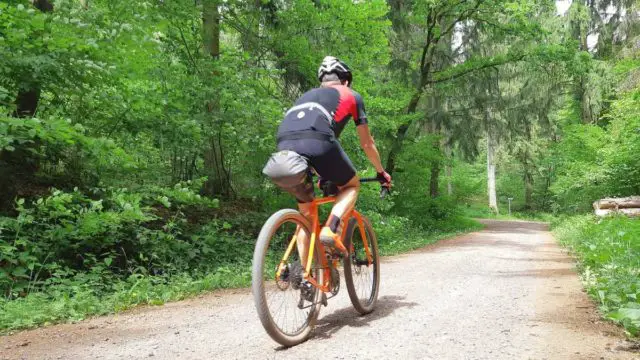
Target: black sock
(333, 223)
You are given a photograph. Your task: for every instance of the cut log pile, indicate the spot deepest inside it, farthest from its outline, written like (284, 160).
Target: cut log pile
(629, 206)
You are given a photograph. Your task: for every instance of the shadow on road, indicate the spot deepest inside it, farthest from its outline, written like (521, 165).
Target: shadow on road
(566, 259)
(348, 317)
(499, 226)
(513, 230)
(539, 273)
(483, 239)
(335, 321)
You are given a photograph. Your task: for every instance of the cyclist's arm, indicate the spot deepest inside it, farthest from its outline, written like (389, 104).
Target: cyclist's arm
(369, 146)
(366, 140)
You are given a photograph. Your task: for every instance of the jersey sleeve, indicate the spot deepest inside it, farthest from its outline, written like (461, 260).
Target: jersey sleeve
(361, 119)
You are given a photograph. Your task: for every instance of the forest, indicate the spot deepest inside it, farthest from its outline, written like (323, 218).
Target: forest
(133, 135)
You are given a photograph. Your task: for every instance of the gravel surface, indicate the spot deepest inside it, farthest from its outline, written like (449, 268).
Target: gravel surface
(508, 292)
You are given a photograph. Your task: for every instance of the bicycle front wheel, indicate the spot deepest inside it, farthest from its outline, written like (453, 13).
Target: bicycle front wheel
(287, 305)
(362, 270)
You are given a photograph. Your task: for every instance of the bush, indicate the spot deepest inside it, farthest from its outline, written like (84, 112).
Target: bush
(36, 154)
(595, 162)
(107, 233)
(609, 253)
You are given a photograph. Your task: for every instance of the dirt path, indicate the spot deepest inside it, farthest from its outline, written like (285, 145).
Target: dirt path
(508, 292)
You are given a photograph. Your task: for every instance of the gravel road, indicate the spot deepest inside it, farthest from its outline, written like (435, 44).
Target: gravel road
(507, 292)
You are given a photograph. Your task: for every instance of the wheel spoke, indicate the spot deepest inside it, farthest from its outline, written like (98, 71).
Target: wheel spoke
(280, 299)
(361, 276)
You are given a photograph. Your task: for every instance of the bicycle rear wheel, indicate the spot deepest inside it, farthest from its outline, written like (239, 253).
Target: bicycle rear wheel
(287, 305)
(362, 275)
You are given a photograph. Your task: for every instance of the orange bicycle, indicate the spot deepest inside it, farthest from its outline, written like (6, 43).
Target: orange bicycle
(288, 292)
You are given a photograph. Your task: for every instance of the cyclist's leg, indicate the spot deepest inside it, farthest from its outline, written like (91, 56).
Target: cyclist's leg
(334, 165)
(345, 202)
(302, 237)
(346, 199)
(303, 194)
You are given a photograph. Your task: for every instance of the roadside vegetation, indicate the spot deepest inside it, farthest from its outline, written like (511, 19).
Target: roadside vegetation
(608, 251)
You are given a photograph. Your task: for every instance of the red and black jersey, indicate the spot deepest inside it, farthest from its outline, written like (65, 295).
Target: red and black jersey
(324, 110)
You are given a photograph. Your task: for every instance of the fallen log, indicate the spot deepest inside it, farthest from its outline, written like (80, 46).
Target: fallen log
(618, 203)
(628, 212)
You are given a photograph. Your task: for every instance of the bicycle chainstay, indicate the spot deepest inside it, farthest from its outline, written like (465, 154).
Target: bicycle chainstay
(334, 280)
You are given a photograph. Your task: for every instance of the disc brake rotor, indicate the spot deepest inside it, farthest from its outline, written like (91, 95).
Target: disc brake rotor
(283, 280)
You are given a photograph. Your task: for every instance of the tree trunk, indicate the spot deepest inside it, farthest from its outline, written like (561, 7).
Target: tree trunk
(527, 164)
(491, 166)
(618, 203)
(18, 168)
(29, 97)
(582, 97)
(211, 27)
(448, 154)
(449, 183)
(218, 179)
(528, 186)
(434, 180)
(635, 212)
(436, 166)
(448, 169)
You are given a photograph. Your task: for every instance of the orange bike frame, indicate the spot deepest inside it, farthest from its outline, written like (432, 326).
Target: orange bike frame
(315, 232)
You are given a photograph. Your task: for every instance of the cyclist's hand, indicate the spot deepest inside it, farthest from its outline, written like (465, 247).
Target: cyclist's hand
(384, 178)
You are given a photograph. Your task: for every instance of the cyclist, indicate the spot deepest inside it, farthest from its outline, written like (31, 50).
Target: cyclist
(311, 128)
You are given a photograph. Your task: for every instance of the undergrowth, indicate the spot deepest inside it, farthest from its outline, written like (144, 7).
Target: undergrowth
(73, 303)
(609, 260)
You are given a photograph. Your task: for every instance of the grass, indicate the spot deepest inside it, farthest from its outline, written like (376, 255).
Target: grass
(61, 304)
(609, 260)
(78, 301)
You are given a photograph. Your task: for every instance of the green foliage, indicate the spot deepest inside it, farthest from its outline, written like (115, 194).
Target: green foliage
(579, 173)
(63, 149)
(81, 299)
(621, 153)
(107, 233)
(412, 195)
(609, 253)
(594, 162)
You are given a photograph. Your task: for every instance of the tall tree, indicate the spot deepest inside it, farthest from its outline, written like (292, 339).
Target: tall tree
(218, 181)
(435, 23)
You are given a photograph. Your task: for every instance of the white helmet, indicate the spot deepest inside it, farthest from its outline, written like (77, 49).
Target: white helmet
(332, 65)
